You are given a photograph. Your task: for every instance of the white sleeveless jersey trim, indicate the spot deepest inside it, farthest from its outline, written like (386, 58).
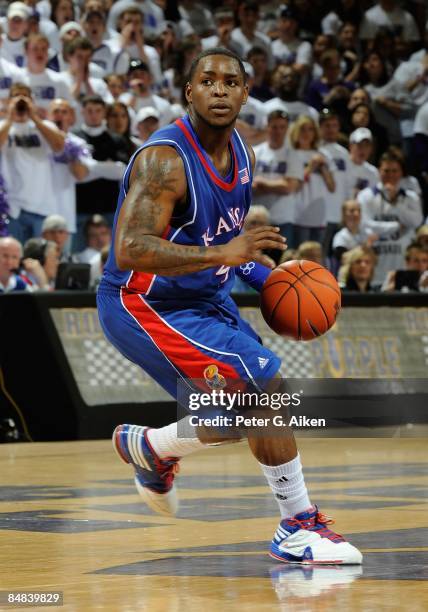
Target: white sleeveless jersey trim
(244, 148)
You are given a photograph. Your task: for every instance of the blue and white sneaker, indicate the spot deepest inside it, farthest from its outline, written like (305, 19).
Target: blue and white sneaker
(154, 477)
(306, 539)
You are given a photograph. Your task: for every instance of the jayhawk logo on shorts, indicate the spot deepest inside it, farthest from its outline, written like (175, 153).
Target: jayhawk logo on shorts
(213, 379)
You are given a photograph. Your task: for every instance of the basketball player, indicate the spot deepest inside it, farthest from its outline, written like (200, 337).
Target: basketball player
(164, 300)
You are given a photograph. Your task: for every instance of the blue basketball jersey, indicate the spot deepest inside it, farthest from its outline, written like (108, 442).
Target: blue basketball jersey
(215, 214)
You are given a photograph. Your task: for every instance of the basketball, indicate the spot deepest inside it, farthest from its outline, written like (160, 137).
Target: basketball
(300, 300)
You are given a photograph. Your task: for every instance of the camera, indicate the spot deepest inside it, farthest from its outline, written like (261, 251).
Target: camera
(21, 107)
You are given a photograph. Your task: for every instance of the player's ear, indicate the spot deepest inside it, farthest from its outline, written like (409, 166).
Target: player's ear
(188, 92)
(246, 94)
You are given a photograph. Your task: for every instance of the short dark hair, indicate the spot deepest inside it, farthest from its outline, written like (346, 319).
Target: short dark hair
(19, 86)
(278, 114)
(93, 100)
(78, 43)
(256, 51)
(327, 113)
(95, 221)
(390, 156)
(412, 246)
(249, 5)
(216, 51)
(136, 64)
(36, 248)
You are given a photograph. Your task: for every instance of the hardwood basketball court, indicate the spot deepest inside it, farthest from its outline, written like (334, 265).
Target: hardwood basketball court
(71, 521)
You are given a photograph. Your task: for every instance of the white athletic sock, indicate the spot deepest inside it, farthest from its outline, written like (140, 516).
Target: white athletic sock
(288, 486)
(166, 442)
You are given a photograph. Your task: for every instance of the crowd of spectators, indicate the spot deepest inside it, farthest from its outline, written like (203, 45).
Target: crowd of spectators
(337, 115)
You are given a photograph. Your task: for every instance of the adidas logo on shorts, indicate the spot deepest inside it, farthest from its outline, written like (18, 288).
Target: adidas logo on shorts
(263, 362)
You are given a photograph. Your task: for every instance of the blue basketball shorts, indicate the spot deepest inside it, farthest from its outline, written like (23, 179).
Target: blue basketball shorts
(203, 341)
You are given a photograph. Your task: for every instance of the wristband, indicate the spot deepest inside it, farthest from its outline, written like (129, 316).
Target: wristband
(253, 273)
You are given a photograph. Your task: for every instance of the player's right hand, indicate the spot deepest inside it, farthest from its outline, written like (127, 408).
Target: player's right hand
(250, 245)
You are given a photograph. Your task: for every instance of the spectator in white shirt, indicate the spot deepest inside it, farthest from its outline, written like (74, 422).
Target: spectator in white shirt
(330, 131)
(45, 84)
(116, 84)
(71, 165)
(66, 34)
(353, 233)
(247, 35)
(389, 15)
(288, 48)
(387, 201)
(345, 11)
(362, 174)
(12, 48)
(146, 122)
(106, 54)
(152, 12)
(278, 175)
(199, 17)
(78, 78)
(131, 39)
(224, 22)
(140, 94)
(252, 118)
(27, 142)
(9, 73)
(318, 182)
(97, 232)
(392, 105)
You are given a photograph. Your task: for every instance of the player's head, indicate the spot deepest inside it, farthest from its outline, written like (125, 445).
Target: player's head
(391, 169)
(10, 256)
(359, 265)
(93, 110)
(216, 87)
(277, 128)
(97, 232)
(329, 125)
(360, 145)
(62, 114)
(351, 213)
(257, 216)
(422, 236)
(413, 257)
(304, 133)
(311, 251)
(46, 252)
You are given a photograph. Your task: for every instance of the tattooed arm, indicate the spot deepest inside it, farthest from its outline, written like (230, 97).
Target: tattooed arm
(157, 185)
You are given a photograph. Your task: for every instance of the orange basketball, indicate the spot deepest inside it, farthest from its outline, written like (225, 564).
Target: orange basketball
(301, 300)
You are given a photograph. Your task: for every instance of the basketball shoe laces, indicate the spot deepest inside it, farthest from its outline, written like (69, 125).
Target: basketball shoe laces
(167, 469)
(318, 523)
